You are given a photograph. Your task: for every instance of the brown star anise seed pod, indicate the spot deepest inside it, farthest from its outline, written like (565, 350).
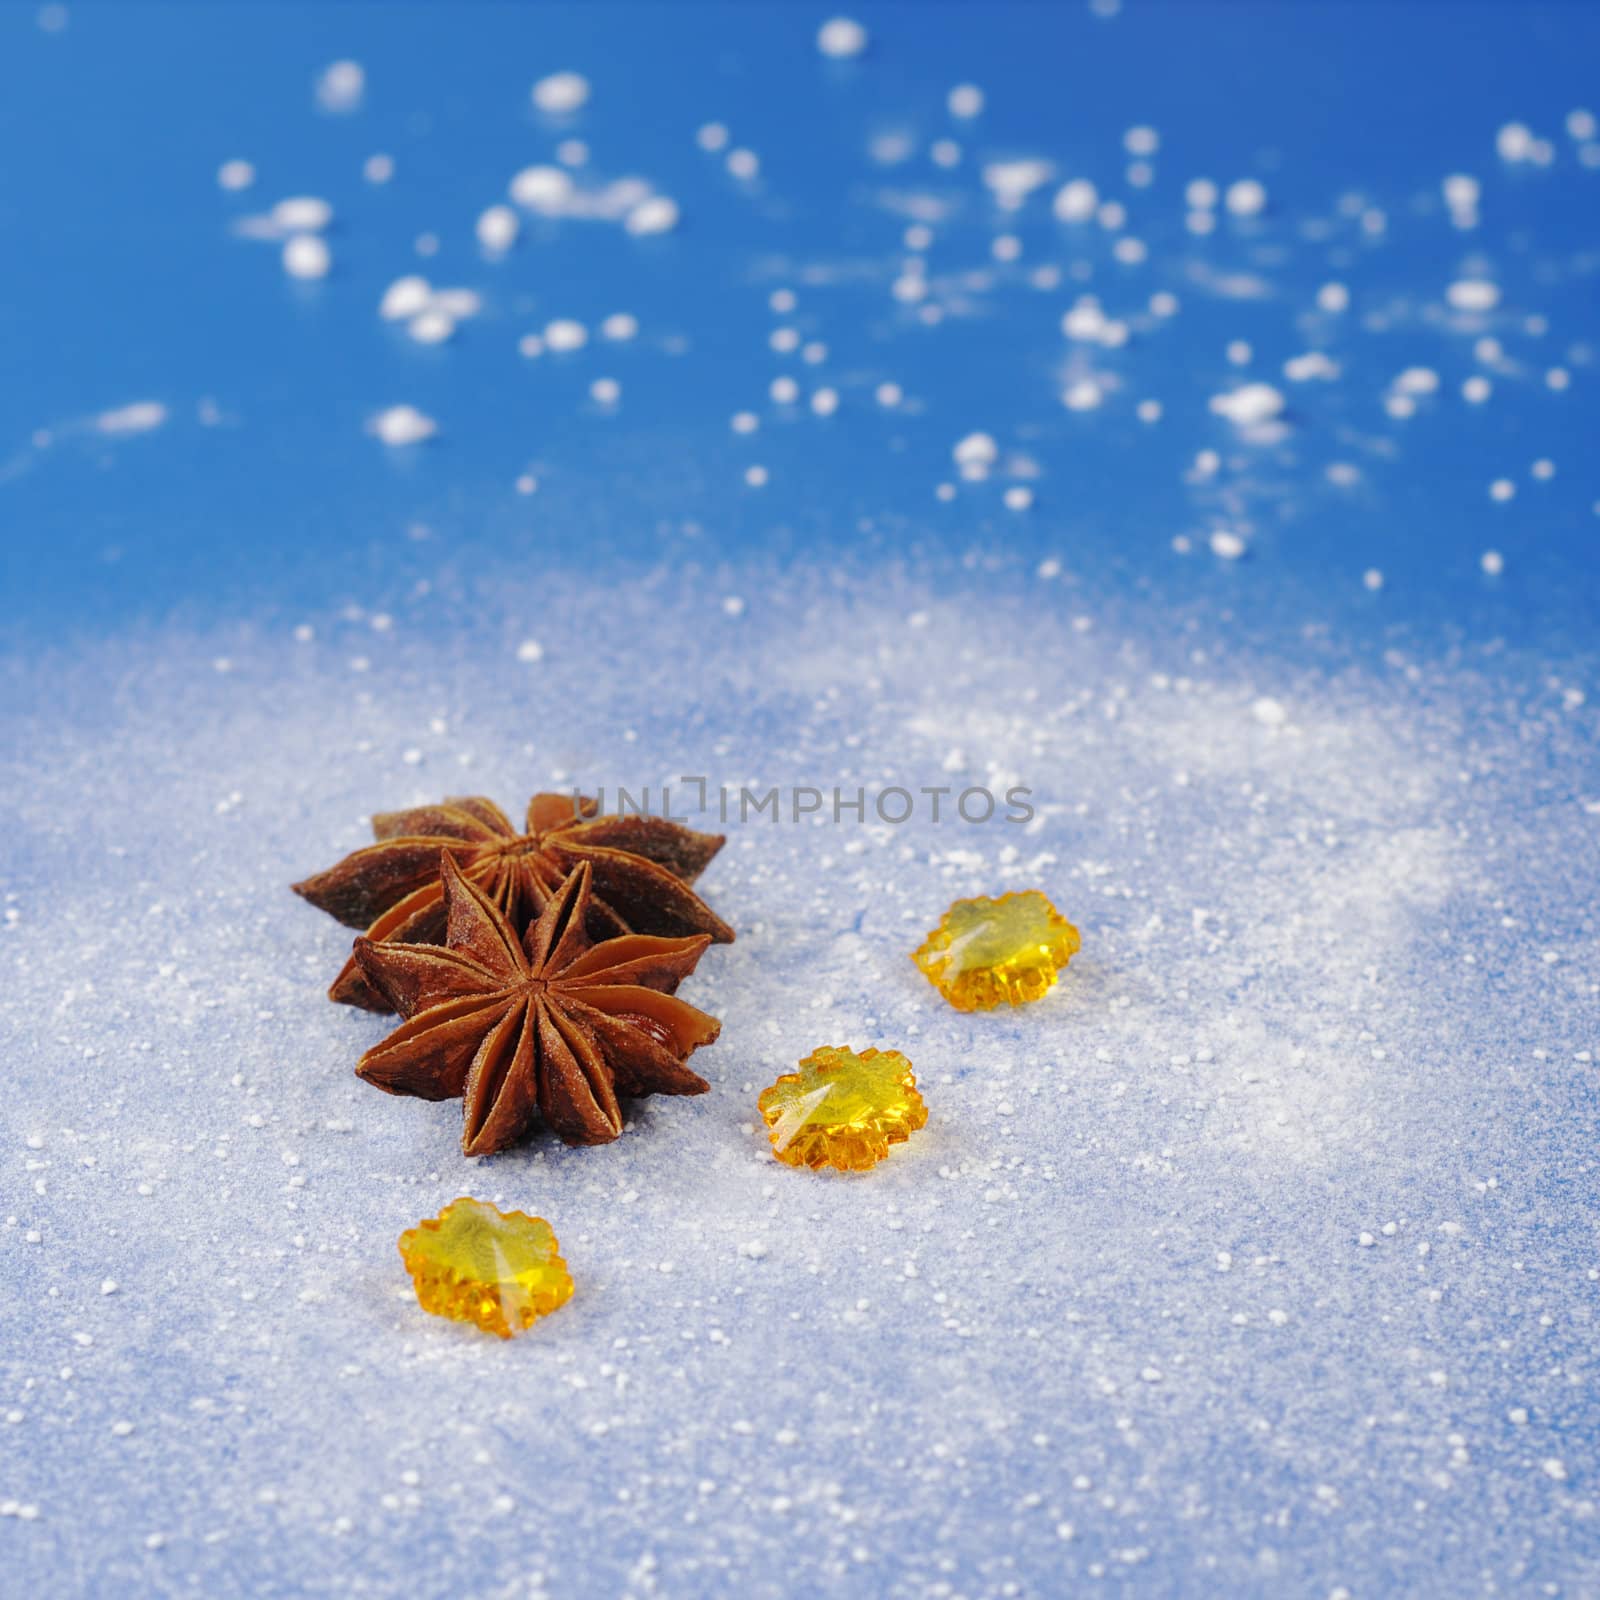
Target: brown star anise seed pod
(642, 868)
(552, 1024)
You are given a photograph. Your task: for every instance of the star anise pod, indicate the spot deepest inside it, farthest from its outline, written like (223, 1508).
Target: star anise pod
(642, 868)
(552, 1024)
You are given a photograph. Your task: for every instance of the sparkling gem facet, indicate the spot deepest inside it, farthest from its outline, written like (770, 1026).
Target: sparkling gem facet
(472, 1263)
(842, 1109)
(986, 953)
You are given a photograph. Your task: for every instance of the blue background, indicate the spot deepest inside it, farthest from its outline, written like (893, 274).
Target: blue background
(1333, 847)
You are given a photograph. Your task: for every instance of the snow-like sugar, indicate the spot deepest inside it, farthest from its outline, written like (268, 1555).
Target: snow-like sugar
(402, 424)
(842, 38)
(1227, 544)
(235, 175)
(1492, 563)
(561, 93)
(306, 255)
(619, 326)
(605, 391)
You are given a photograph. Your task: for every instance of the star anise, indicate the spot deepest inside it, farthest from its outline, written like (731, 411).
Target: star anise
(642, 868)
(552, 1024)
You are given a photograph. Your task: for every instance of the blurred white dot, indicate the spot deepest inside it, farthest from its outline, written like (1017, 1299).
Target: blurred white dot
(1558, 378)
(756, 477)
(302, 213)
(1476, 389)
(1246, 198)
(744, 422)
(713, 136)
(530, 650)
(785, 391)
(1544, 468)
(401, 425)
(1201, 194)
(527, 483)
(432, 326)
(658, 214)
(1372, 578)
(743, 163)
(564, 334)
(1492, 563)
(1084, 395)
(841, 38)
(378, 168)
(1227, 545)
(498, 228)
(235, 175)
(619, 325)
(1141, 141)
(825, 402)
(1502, 489)
(733, 605)
(1018, 497)
(945, 153)
(306, 256)
(1149, 411)
(605, 391)
(341, 87)
(965, 100)
(888, 394)
(561, 92)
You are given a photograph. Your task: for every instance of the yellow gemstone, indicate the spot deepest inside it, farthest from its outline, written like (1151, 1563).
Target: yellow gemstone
(842, 1109)
(985, 953)
(500, 1269)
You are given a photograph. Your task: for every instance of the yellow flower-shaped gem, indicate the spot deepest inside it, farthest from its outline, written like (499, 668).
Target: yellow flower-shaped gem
(842, 1109)
(986, 953)
(500, 1269)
